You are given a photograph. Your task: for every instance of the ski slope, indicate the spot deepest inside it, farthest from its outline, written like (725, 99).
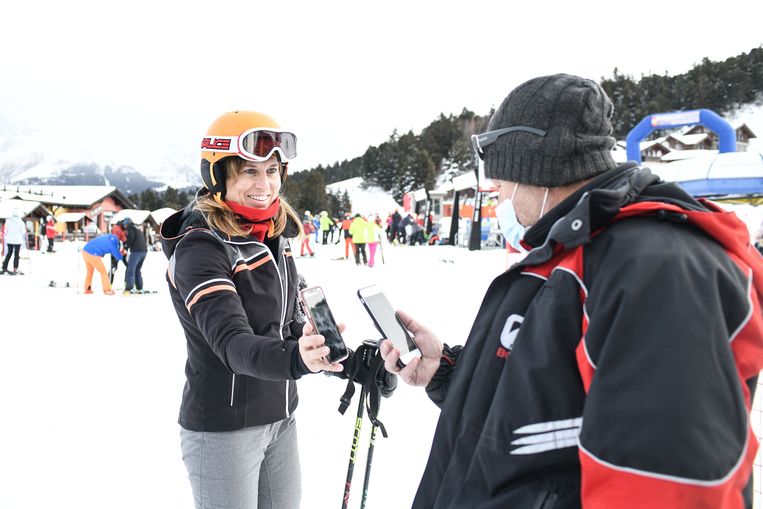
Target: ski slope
(91, 384)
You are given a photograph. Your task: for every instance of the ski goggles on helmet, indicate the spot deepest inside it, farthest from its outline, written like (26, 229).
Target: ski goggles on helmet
(256, 144)
(480, 141)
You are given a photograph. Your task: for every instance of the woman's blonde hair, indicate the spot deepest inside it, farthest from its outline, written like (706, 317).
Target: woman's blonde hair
(223, 219)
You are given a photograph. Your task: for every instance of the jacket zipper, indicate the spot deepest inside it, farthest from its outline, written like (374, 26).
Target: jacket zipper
(284, 292)
(284, 305)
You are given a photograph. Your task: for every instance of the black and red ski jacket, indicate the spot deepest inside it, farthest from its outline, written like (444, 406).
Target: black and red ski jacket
(614, 367)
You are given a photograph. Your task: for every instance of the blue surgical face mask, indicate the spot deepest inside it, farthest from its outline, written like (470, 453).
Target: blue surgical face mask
(510, 227)
(513, 231)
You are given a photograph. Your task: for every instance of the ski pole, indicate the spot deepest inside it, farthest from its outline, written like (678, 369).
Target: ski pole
(368, 466)
(354, 448)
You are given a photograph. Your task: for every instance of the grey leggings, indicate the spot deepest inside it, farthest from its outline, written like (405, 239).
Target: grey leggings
(251, 468)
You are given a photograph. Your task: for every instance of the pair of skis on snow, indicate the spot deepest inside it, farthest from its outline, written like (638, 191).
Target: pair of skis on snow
(66, 284)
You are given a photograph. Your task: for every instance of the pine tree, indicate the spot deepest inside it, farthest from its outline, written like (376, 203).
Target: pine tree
(345, 205)
(443, 148)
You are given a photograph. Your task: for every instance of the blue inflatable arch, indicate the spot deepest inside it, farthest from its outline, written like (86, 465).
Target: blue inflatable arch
(708, 118)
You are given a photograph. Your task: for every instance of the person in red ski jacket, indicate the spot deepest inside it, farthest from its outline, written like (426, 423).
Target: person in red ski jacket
(308, 229)
(50, 232)
(346, 223)
(615, 365)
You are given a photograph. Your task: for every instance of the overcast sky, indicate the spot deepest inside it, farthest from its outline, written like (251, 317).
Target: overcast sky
(138, 83)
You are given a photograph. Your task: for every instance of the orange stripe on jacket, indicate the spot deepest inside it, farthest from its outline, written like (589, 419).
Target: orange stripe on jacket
(207, 291)
(251, 266)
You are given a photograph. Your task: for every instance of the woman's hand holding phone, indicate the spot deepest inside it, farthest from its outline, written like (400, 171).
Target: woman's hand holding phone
(313, 350)
(418, 371)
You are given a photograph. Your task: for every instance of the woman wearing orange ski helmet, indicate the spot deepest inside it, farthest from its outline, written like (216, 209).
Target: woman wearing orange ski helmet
(234, 286)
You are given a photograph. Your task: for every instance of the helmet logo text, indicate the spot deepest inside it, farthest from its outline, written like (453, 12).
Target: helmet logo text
(215, 143)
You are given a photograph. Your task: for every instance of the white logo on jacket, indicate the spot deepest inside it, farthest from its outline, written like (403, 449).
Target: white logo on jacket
(510, 330)
(509, 335)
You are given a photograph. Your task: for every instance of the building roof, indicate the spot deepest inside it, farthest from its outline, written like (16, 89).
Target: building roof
(24, 208)
(735, 124)
(67, 196)
(678, 155)
(161, 215)
(137, 216)
(689, 139)
(70, 217)
(643, 145)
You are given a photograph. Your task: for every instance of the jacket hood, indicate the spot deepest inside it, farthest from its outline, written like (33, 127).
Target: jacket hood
(177, 225)
(627, 191)
(597, 204)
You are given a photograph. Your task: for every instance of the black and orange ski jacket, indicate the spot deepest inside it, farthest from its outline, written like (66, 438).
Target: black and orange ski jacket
(236, 301)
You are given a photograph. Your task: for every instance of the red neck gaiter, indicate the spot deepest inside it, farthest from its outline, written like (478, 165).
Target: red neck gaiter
(259, 221)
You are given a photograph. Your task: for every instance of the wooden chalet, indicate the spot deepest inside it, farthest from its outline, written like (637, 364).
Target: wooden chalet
(77, 209)
(699, 137)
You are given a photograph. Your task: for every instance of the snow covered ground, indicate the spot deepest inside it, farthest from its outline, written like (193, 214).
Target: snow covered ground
(90, 384)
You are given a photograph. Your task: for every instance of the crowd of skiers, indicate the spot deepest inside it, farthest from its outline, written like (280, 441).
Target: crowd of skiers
(363, 234)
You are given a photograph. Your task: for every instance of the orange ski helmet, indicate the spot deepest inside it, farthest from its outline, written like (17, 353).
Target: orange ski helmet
(247, 134)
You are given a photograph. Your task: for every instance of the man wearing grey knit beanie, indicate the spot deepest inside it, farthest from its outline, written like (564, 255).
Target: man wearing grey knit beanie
(614, 365)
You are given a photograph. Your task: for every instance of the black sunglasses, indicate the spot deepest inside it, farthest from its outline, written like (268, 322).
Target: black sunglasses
(480, 141)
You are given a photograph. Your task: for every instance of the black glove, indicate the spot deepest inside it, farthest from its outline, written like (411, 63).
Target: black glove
(366, 368)
(386, 382)
(346, 364)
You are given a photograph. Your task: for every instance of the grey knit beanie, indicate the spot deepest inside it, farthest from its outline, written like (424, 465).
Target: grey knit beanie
(574, 112)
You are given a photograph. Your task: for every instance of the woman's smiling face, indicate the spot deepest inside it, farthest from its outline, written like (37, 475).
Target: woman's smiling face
(256, 184)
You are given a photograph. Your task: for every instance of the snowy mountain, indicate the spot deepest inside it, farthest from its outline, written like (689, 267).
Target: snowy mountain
(126, 178)
(60, 161)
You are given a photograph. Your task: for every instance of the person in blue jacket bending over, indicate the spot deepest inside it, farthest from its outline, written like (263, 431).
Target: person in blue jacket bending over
(92, 254)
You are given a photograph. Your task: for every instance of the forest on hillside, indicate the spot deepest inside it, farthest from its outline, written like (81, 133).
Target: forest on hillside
(718, 86)
(410, 161)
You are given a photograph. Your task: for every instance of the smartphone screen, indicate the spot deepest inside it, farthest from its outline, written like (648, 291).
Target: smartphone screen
(324, 323)
(386, 320)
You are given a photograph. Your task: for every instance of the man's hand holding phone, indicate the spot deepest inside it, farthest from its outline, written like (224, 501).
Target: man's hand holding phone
(420, 370)
(313, 350)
